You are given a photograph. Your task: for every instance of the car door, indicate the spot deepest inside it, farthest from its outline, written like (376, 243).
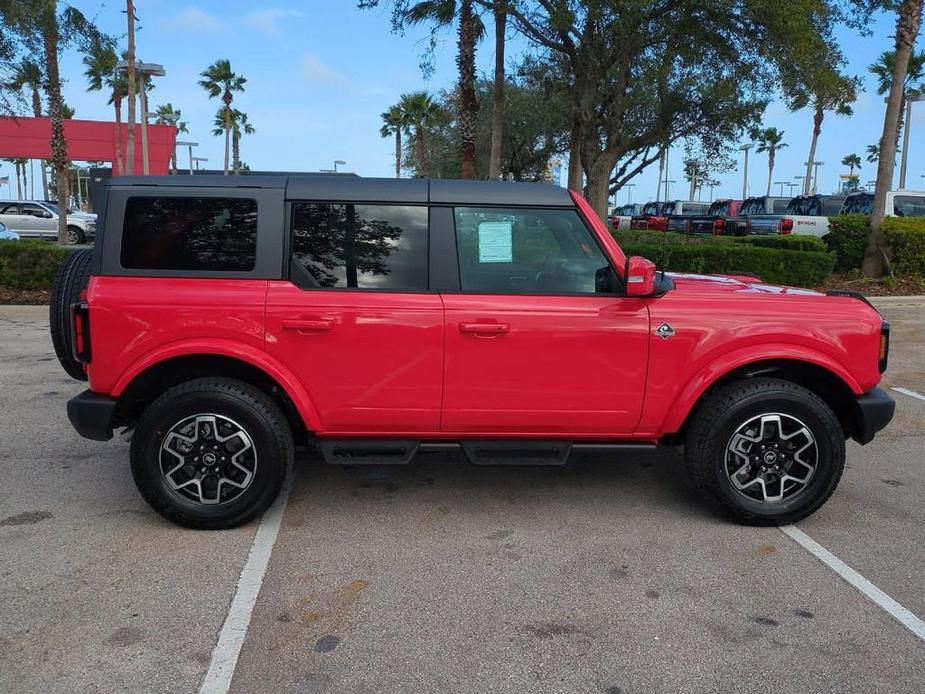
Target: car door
(36, 220)
(539, 339)
(355, 321)
(9, 215)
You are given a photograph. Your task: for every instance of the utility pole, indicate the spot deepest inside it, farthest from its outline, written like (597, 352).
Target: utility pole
(629, 192)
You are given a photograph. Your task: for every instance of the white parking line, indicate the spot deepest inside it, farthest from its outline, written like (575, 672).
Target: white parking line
(868, 589)
(226, 651)
(910, 393)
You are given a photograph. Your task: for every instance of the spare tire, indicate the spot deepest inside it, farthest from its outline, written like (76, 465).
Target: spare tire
(70, 281)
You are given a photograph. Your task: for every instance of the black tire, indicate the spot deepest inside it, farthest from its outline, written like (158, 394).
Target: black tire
(247, 407)
(70, 281)
(725, 412)
(75, 235)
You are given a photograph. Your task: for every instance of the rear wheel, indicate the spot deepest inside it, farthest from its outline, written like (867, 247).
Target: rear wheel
(211, 453)
(765, 451)
(70, 281)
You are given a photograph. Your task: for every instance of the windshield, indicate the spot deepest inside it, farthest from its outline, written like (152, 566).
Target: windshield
(650, 208)
(752, 206)
(719, 208)
(810, 206)
(858, 204)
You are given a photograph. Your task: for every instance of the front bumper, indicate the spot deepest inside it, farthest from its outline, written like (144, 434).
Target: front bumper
(91, 414)
(873, 411)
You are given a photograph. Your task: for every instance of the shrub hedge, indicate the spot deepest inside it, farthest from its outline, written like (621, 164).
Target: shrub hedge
(30, 264)
(906, 239)
(847, 239)
(797, 261)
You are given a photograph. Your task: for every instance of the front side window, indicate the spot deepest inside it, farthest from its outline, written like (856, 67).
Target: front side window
(528, 251)
(190, 234)
(336, 245)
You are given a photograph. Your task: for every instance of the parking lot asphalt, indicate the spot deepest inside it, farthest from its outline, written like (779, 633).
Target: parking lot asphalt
(609, 576)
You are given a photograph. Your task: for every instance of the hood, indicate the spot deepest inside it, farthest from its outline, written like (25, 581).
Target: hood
(686, 282)
(82, 215)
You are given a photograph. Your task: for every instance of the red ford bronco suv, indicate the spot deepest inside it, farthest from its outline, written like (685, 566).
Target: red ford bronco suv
(222, 320)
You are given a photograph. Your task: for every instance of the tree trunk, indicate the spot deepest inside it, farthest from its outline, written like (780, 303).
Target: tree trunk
(397, 152)
(468, 104)
(130, 80)
(599, 183)
(117, 106)
(770, 170)
(497, 107)
(37, 112)
(907, 29)
(575, 177)
(227, 129)
(18, 166)
(421, 152)
(53, 91)
(817, 129)
(236, 152)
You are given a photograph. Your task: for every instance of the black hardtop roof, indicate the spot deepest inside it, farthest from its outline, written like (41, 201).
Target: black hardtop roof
(344, 188)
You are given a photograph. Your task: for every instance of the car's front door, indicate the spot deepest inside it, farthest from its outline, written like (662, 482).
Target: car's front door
(36, 220)
(539, 340)
(356, 323)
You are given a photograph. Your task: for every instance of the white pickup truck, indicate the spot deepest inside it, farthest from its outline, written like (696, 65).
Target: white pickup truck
(899, 203)
(806, 215)
(620, 217)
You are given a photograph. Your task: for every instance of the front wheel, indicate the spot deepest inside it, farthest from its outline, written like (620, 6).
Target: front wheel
(211, 453)
(75, 235)
(765, 451)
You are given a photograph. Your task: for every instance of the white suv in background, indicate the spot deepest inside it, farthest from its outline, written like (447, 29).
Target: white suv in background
(39, 219)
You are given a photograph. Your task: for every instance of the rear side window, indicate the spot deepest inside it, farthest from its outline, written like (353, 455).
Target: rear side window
(528, 251)
(832, 206)
(780, 206)
(857, 204)
(909, 206)
(348, 246)
(190, 234)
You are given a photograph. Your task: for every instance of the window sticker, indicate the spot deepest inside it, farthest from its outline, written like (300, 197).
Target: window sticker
(495, 242)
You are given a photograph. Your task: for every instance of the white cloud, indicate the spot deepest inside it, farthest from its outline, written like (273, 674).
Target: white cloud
(194, 19)
(267, 20)
(313, 70)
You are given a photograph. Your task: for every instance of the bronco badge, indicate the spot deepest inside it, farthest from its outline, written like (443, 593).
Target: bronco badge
(664, 331)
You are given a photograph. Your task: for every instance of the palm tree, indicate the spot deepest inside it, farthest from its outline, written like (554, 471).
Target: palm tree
(497, 104)
(471, 29)
(101, 72)
(769, 140)
(883, 71)
(393, 121)
(220, 81)
(420, 113)
(168, 115)
(28, 75)
(852, 161)
(239, 126)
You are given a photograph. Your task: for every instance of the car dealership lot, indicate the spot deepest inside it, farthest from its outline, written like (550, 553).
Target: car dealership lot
(608, 576)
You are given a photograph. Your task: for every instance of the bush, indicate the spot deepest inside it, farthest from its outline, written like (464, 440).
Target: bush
(30, 264)
(847, 238)
(774, 265)
(906, 239)
(788, 243)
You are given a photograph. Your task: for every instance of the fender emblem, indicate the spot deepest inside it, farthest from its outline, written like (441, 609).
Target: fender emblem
(664, 331)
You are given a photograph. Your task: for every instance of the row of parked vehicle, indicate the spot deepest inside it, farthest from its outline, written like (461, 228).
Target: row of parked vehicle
(805, 214)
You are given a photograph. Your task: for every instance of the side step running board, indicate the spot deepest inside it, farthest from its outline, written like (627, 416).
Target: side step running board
(491, 452)
(368, 452)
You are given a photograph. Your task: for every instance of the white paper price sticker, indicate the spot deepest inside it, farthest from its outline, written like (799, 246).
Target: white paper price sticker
(495, 242)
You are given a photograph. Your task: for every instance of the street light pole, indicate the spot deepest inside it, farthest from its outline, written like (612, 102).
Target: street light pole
(782, 184)
(189, 146)
(912, 95)
(338, 161)
(629, 192)
(143, 70)
(745, 148)
(816, 165)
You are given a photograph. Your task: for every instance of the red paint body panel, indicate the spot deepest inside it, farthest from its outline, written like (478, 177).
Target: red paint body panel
(563, 364)
(87, 140)
(429, 365)
(370, 361)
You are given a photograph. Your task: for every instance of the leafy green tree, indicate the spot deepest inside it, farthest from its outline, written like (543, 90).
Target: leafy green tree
(237, 122)
(852, 161)
(769, 140)
(643, 75)
(42, 32)
(421, 113)
(883, 70)
(393, 122)
(101, 73)
(443, 13)
(908, 23)
(822, 88)
(219, 80)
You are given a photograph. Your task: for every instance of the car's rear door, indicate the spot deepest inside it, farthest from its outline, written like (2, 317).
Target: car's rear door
(355, 320)
(539, 339)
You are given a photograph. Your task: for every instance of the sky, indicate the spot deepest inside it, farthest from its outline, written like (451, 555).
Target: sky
(320, 73)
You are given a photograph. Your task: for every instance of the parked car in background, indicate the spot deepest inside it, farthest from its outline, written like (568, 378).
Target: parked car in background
(806, 215)
(714, 221)
(621, 217)
(661, 216)
(6, 234)
(899, 203)
(39, 219)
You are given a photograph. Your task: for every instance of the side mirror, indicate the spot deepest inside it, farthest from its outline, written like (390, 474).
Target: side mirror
(639, 276)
